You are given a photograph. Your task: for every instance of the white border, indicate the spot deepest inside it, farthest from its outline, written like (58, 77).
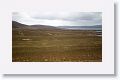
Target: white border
(104, 67)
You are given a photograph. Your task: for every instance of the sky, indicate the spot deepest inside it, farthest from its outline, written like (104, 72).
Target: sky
(58, 18)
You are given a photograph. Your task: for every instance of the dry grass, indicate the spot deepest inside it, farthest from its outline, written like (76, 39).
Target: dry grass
(56, 46)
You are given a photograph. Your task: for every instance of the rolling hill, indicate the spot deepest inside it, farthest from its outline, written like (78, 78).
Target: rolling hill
(41, 27)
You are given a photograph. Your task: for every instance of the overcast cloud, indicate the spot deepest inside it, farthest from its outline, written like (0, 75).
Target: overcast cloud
(59, 18)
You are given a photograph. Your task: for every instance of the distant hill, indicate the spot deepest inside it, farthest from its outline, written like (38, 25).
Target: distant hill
(41, 27)
(47, 27)
(17, 25)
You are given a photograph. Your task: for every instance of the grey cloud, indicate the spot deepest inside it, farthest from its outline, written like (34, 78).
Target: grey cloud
(78, 18)
(86, 16)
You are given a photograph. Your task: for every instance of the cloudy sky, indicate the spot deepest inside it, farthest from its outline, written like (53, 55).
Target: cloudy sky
(58, 18)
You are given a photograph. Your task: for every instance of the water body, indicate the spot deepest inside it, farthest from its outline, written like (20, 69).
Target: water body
(97, 28)
(94, 27)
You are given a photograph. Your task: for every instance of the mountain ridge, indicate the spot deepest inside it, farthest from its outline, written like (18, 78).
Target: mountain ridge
(16, 24)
